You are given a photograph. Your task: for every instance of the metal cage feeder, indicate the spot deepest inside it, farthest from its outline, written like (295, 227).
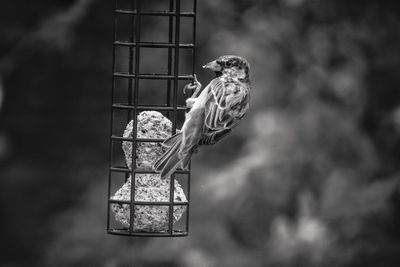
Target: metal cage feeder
(138, 66)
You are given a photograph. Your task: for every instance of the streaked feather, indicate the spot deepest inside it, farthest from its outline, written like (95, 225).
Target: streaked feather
(227, 104)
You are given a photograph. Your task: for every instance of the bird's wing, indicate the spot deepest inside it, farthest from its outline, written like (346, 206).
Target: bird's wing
(227, 104)
(217, 89)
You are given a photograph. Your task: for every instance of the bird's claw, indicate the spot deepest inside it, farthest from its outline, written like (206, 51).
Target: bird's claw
(189, 87)
(192, 86)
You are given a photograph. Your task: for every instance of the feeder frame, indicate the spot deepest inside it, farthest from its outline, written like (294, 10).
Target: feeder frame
(171, 106)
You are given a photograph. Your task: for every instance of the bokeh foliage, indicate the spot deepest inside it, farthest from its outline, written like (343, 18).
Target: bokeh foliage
(309, 178)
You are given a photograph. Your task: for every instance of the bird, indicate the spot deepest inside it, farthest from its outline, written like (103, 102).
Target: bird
(212, 114)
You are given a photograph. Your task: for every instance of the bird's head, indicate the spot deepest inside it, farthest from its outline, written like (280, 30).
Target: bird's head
(235, 66)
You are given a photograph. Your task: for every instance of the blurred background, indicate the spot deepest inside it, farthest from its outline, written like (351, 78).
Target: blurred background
(309, 178)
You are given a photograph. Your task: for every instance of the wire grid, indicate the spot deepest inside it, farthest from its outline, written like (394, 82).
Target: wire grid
(170, 106)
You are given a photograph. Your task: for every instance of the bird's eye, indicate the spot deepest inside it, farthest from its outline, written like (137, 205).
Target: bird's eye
(228, 64)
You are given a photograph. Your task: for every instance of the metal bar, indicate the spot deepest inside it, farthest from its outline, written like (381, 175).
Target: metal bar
(146, 203)
(175, 105)
(194, 37)
(154, 108)
(136, 103)
(141, 171)
(154, 76)
(139, 140)
(111, 145)
(147, 234)
(130, 71)
(130, 65)
(193, 72)
(188, 199)
(118, 232)
(170, 39)
(176, 75)
(151, 44)
(155, 13)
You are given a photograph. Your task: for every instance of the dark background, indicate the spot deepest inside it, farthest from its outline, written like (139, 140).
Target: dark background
(309, 178)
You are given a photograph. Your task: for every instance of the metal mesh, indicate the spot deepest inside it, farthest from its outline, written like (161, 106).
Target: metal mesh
(133, 12)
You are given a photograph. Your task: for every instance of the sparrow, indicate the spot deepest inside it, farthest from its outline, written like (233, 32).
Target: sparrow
(212, 114)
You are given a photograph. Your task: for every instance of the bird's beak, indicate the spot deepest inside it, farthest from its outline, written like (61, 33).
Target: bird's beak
(213, 65)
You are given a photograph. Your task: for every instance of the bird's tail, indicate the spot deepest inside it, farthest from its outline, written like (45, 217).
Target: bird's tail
(170, 160)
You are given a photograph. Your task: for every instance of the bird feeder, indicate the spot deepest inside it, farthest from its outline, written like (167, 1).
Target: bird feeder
(147, 107)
